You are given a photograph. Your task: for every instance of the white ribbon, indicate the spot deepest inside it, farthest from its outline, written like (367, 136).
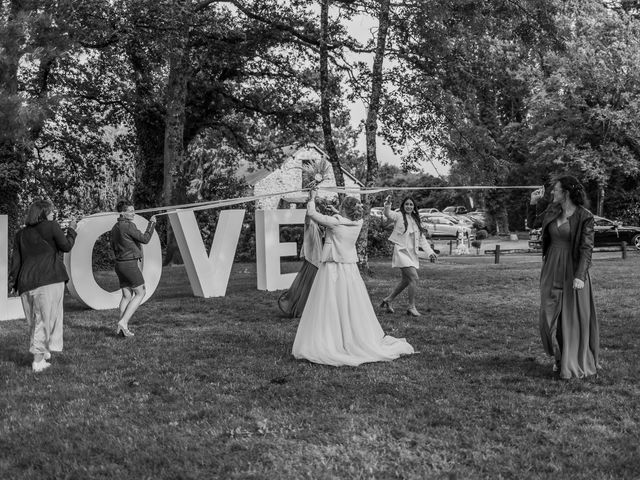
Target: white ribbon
(348, 190)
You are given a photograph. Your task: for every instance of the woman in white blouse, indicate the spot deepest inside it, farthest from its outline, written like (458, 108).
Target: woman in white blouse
(407, 238)
(339, 325)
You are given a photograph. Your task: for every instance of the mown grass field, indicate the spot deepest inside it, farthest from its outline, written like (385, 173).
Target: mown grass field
(208, 388)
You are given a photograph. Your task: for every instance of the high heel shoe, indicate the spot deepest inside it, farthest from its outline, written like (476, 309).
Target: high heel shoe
(412, 312)
(387, 307)
(123, 332)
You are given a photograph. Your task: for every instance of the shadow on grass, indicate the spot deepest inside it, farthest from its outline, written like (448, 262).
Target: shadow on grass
(512, 365)
(16, 352)
(107, 329)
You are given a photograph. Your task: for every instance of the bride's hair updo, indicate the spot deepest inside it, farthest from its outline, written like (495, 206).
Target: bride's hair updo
(352, 208)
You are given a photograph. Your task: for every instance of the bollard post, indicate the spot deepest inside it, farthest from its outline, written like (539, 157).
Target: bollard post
(497, 257)
(450, 247)
(624, 250)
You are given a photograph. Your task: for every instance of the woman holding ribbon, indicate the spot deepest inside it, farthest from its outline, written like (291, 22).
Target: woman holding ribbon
(338, 325)
(407, 238)
(569, 325)
(293, 300)
(38, 274)
(126, 242)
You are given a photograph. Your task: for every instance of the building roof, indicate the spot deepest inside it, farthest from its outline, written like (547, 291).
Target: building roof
(253, 174)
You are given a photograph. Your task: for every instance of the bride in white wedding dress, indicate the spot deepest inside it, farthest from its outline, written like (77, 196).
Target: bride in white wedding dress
(339, 325)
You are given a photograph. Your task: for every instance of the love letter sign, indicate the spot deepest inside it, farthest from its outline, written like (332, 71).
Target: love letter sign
(208, 273)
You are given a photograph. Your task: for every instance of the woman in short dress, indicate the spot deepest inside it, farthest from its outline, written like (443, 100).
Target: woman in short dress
(126, 241)
(338, 325)
(407, 238)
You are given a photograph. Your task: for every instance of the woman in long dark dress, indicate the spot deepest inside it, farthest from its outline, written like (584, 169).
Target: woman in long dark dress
(293, 300)
(569, 325)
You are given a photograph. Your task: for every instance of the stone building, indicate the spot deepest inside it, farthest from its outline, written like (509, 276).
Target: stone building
(290, 176)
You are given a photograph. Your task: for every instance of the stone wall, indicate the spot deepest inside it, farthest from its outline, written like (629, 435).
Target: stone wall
(289, 177)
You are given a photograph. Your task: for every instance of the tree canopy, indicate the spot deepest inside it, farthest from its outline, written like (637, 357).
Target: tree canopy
(104, 98)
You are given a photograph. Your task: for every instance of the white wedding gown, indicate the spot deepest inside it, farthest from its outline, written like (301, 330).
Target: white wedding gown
(338, 325)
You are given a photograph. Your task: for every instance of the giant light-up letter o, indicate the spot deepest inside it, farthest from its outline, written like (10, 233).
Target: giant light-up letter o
(82, 284)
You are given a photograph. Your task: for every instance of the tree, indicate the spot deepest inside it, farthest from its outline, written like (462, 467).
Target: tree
(14, 118)
(371, 123)
(583, 116)
(458, 61)
(326, 93)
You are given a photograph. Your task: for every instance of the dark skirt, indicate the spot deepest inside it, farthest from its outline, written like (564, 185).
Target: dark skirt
(129, 273)
(292, 301)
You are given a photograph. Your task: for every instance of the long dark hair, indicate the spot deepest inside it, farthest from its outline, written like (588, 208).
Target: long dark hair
(38, 212)
(415, 215)
(574, 187)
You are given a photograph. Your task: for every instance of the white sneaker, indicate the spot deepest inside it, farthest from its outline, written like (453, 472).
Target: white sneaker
(40, 366)
(47, 355)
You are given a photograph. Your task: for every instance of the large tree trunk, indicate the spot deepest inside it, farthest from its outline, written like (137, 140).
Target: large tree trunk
(149, 122)
(174, 126)
(173, 190)
(371, 126)
(13, 154)
(325, 94)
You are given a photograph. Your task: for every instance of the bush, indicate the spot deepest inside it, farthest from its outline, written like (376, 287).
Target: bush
(102, 257)
(378, 244)
(481, 235)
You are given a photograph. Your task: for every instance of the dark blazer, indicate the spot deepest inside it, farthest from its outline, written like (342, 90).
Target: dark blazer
(126, 239)
(581, 226)
(36, 259)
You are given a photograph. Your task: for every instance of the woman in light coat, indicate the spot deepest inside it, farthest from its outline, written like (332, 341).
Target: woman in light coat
(407, 238)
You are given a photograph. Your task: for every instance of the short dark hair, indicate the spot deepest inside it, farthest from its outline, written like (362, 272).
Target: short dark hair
(123, 204)
(574, 187)
(38, 212)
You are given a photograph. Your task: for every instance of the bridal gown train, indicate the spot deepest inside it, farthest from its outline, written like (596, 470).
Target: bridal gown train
(339, 325)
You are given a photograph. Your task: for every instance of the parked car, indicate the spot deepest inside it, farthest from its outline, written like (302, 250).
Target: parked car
(440, 227)
(468, 221)
(479, 217)
(376, 211)
(455, 210)
(606, 233)
(453, 218)
(428, 211)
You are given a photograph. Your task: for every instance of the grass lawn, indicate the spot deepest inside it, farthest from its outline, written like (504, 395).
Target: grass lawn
(208, 388)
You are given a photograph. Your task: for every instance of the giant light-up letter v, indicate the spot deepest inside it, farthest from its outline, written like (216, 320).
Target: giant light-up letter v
(208, 274)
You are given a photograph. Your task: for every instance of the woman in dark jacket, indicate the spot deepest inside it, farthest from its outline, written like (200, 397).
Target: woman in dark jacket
(568, 322)
(38, 275)
(126, 241)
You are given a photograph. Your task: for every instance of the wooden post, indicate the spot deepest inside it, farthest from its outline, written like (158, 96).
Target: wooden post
(624, 250)
(497, 254)
(450, 247)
